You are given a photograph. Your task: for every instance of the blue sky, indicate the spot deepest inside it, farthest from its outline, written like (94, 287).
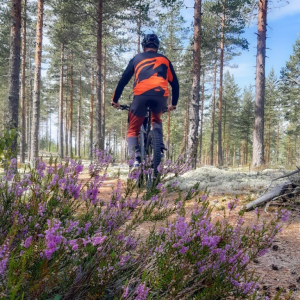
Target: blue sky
(283, 30)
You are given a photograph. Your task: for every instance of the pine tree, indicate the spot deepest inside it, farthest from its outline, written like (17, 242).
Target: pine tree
(37, 84)
(195, 99)
(258, 133)
(245, 126)
(232, 26)
(14, 71)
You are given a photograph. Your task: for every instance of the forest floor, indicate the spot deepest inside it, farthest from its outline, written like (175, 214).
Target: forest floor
(279, 268)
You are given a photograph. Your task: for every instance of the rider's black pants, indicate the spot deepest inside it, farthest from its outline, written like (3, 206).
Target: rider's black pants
(137, 113)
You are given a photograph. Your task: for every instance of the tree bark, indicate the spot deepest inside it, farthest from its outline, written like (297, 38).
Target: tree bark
(168, 129)
(220, 151)
(102, 141)
(14, 71)
(79, 118)
(139, 25)
(70, 133)
(61, 106)
(258, 133)
(195, 97)
(66, 113)
(91, 142)
(99, 75)
(201, 118)
(23, 85)
(212, 133)
(37, 84)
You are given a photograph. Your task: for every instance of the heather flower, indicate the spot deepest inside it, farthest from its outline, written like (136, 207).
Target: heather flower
(284, 215)
(233, 204)
(142, 292)
(53, 237)
(3, 265)
(203, 197)
(97, 240)
(73, 244)
(183, 250)
(41, 209)
(126, 291)
(174, 184)
(27, 242)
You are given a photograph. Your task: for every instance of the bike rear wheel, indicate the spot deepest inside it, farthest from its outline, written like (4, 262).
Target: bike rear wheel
(154, 152)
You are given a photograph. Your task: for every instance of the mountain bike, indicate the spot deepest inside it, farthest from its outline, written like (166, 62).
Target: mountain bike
(150, 147)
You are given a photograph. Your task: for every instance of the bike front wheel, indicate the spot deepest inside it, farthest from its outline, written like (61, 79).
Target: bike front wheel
(154, 152)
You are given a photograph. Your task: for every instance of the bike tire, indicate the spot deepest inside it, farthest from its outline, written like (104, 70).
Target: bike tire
(153, 146)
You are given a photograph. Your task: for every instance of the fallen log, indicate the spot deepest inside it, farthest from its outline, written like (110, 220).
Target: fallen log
(277, 191)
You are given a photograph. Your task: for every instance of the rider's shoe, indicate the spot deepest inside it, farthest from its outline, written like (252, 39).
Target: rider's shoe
(135, 165)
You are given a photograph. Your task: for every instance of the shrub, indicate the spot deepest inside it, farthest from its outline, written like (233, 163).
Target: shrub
(60, 240)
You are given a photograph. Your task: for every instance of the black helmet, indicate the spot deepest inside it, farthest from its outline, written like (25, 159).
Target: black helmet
(150, 40)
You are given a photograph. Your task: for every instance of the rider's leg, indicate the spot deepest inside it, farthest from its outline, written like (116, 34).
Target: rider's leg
(136, 118)
(156, 121)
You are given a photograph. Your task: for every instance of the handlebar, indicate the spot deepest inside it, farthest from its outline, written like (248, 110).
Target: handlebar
(126, 107)
(123, 107)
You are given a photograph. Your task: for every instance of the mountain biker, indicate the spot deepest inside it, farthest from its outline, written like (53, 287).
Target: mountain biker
(152, 73)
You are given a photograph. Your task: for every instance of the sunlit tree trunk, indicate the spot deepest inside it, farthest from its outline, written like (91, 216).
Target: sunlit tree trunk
(212, 132)
(195, 97)
(23, 87)
(61, 106)
(37, 84)
(201, 117)
(66, 113)
(102, 141)
(220, 150)
(79, 119)
(70, 133)
(14, 71)
(258, 133)
(99, 75)
(91, 132)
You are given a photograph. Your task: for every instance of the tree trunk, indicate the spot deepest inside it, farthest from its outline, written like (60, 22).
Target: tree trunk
(66, 113)
(139, 25)
(168, 128)
(91, 142)
(37, 84)
(277, 143)
(102, 141)
(212, 133)
(258, 133)
(220, 151)
(61, 106)
(201, 119)
(186, 128)
(194, 105)
(99, 75)
(70, 134)
(224, 129)
(30, 114)
(79, 118)
(14, 71)
(23, 85)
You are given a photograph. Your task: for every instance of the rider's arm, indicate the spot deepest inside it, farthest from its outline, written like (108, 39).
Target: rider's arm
(128, 73)
(174, 84)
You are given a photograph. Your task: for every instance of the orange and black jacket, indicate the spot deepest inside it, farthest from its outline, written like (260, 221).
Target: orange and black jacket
(152, 73)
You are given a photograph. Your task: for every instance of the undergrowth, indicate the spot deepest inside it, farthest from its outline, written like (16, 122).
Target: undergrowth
(59, 239)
